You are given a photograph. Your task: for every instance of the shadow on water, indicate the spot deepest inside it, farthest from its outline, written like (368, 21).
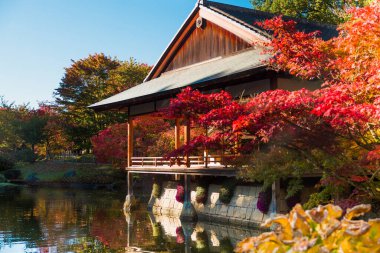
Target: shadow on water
(64, 220)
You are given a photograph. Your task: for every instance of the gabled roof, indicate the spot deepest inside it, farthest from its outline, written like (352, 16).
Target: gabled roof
(171, 82)
(237, 20)
(243, 19)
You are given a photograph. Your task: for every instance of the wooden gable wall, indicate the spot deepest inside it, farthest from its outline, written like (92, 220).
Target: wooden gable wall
(203, 44)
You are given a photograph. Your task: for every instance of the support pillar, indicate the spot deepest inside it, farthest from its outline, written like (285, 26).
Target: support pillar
(130, 201)
(177, 134)
(188, 212)
(187, 140)
(130, 142)
(177, 141)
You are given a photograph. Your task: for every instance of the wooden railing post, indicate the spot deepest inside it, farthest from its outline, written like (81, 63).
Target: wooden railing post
(205, 155)
(130, 142)
(187, 140)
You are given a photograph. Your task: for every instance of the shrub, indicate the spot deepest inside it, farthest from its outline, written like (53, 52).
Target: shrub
(227, 191)
(25, 155)
(156, 190)
(3, 179)
(180, 196)
(6, 163)
(318, 198)
(32, 177)
(88, 158)
(293, 200)
(202, 242)
(201, 194)
(263, 202)
(226, 246)
(12, 174)
(321, 229)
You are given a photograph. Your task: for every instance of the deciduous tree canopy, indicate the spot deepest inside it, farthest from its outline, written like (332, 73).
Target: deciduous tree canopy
(88, 81)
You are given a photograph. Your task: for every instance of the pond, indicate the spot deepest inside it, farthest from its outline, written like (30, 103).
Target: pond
(67, 220)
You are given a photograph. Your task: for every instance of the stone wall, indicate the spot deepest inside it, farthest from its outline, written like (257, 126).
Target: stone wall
(241, 210)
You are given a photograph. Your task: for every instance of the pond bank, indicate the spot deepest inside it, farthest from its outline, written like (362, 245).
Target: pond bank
(67, 175)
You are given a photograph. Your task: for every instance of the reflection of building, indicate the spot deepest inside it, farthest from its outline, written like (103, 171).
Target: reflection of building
(219, 46)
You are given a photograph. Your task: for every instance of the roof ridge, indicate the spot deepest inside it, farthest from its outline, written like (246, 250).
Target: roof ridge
(241, 8)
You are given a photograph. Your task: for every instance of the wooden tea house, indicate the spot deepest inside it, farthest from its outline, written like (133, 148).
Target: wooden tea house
(218, 47)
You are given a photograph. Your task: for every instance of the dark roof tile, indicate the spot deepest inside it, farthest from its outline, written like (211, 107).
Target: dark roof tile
(249, 17)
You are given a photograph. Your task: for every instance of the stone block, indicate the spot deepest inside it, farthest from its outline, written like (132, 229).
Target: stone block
(230, 211)
(257, 216)
(240, 201)
(238, 190)
(245, 190)
(236, 212)
(233, 200)
(242, 212)
(214, 197)
(249, 213)
(223, 210)
(253, 191)
(247, 201)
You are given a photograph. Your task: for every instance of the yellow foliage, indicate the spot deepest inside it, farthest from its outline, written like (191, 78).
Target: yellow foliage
(321, 229)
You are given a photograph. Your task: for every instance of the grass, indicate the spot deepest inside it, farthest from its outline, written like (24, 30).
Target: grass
(57, 172)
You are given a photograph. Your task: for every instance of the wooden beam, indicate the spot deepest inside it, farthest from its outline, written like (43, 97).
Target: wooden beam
(187, 140)
(130, 142)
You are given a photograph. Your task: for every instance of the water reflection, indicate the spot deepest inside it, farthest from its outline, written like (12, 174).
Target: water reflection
(56, 220)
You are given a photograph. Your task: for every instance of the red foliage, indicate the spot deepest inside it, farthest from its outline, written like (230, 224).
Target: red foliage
(110, 145)
(345, 110)
(152, 137)
(180, 195)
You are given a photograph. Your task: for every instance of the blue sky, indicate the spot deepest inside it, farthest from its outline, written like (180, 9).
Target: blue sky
(40, 37)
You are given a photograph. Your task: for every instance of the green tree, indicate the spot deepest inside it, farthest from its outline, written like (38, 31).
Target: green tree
(87, 81)
(324, 11)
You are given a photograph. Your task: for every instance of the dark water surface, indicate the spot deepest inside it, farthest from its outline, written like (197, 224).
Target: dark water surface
(65, 220)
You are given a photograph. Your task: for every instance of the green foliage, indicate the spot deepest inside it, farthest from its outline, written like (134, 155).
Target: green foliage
(324, 11)
(6, 163)
(88, 81)
(274, 163)
(295, 185)
(202, 242)
(226, 246)
(227, 190)
(86, 158)
(3, 179)
(156, 190)
(319, 198)
(201, 194)
(24, 155)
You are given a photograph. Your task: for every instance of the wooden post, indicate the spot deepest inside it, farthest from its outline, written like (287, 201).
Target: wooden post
(130, 142)
(188, 212)
(187, 140)
(177, 134)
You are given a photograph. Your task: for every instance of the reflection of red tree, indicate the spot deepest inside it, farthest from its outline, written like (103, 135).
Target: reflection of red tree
(44, 250)
(180, 236)
(109, 229)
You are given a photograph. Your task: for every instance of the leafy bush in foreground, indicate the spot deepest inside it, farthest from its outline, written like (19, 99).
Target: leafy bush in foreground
(321, 229)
